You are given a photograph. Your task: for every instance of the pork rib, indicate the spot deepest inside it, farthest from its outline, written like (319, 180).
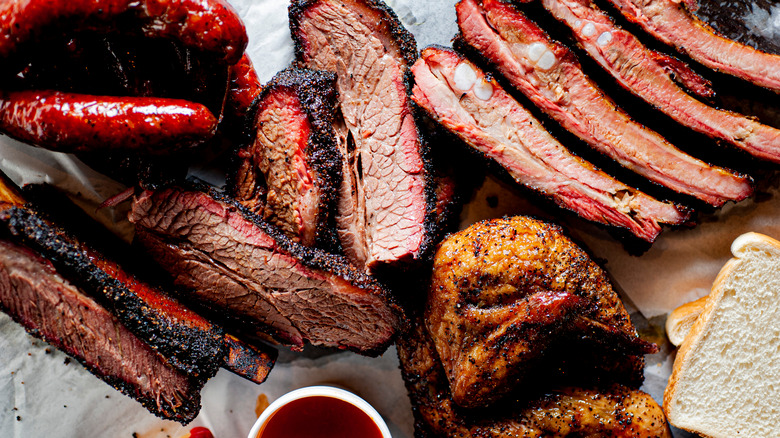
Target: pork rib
(53, 309)
(365, 44)
(671, 22)
(644, 73)
(296, 155)
(551, 77)
(463, 99)
(232, 260)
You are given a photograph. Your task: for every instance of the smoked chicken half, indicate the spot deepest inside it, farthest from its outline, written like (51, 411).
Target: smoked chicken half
(558, 411)
(513, 295)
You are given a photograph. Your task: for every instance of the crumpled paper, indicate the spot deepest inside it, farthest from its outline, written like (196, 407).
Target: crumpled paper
(42, 395)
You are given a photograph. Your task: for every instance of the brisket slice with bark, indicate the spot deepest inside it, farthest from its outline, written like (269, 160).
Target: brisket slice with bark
(295, 152)
(53, 309)
(673, 23)
(231, 259)
(548, 73)
(648, 75)
(186, 340)
(481, 113)
(365, 44)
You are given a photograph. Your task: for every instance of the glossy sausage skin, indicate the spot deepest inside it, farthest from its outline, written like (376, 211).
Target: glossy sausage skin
(69, 122)
(207, 25)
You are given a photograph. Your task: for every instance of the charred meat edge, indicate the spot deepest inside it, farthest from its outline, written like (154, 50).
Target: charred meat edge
(311, 258)
(188, 341)
(315, 90)
(185, 397)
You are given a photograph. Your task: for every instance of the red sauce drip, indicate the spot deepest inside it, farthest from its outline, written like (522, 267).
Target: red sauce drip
(319, 417)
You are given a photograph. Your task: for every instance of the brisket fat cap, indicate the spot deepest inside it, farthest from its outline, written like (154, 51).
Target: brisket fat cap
(53, 309)
(296, 153)
(313, 295)
(365, 44)
(475, 107)
(187, 341)
(551, 411)
(505, 293)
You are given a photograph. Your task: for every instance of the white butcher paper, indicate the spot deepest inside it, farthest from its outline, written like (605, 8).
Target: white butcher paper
(43, 396)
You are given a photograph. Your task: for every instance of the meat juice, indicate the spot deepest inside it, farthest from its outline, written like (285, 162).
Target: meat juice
(319, 417)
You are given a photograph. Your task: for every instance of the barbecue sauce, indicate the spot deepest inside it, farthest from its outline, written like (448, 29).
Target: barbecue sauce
(319, 417)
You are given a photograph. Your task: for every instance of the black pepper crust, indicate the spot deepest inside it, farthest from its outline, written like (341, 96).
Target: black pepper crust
(312, 258)
(197, 351)
(184, 413)
(317, 93)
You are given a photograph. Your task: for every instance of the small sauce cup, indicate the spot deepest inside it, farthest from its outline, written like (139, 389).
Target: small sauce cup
(320, 412)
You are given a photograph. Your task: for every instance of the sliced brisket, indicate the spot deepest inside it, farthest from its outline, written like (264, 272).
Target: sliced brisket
(295, 152)
(548, 73)
(645, 73)
(672, 22)
(231, 259)
(365, 44)
(186, 340)
(480, 112)
(51, 308)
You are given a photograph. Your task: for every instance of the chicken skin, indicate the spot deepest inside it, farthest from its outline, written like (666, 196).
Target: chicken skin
(613, 411)
(508, 293)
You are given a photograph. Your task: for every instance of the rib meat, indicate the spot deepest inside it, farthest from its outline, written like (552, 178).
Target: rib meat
(548, 73)
(507, 292)
(53, 309)
(460, 97)
(290, 173)
(555, 412)
(672, 22)
(364, 43)
(645, 73)
(233, 261)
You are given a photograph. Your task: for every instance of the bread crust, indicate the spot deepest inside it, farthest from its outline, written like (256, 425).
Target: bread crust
(711, 302)
(680, 321)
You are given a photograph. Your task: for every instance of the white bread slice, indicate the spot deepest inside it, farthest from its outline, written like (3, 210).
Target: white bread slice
(726, 377)
(680, 321)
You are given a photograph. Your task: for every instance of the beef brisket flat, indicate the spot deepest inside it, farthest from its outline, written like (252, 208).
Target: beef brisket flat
(296, 154)
(186, 340)
(365, 44)
(673, 23)
(474, 107)
(53, 309)
(646, 74)
(234, 261)
(548, 73)
(552, 411)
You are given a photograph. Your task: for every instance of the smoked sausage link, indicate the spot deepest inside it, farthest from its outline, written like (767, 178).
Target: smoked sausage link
(69, 122)
(207, 25)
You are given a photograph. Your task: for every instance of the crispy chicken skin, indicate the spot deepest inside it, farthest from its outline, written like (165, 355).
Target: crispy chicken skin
(508, 292)
(616, 411)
